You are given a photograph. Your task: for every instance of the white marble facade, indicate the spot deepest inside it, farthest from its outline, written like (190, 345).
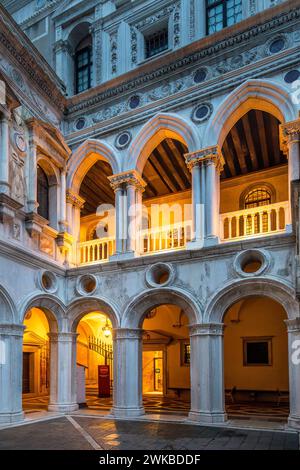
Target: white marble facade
(42, 121)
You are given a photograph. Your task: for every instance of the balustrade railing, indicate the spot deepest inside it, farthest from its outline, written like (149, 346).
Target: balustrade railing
(96, 250)
(168, 237)
(257, 221)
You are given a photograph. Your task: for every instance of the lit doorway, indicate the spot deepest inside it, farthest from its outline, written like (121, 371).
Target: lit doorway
(153, 373)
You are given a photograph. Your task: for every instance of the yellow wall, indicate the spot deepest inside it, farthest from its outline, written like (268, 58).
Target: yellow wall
(255, 317)
(232, 189)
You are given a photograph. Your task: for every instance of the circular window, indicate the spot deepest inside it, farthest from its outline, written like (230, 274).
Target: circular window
(159, 275)
(276, 46)
(123, 140)
(48, 281)
(251, 262)
(134, 101)
(200, 76)
(202, 112)
(292, 76)
(80, 124)
(86, 284)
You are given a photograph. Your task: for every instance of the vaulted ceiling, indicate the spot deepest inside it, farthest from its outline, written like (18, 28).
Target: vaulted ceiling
(252, 144)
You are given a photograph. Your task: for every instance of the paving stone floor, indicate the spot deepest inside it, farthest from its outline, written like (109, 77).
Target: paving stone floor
(83, 433)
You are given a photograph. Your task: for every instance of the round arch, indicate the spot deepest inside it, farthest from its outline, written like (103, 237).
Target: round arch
(135, 311)
(50, 170)
(160, 127)
(52, 307)
(241, 289)
(253, 94)
(7, 308)
(77, 30)
(85, 156)
(79, 308)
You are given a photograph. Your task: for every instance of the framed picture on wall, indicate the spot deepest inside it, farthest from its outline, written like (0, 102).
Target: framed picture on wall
(257, 351)
(185, 353)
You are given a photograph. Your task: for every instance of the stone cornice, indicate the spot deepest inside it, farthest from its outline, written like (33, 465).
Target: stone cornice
(8, 329)
(205, 157)
(131, 177)
(37, 69)
(206, 47)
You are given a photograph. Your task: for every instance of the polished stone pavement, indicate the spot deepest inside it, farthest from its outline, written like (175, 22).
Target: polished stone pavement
(84, 433)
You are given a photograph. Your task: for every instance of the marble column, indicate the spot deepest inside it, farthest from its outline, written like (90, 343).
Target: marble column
(74, 204)
(207, 373)
(63, 207)
(128, 218)
(293, 327)
(4, 153)
(205, 165)
(127, 395)
(11, 363)
(32, 203)
(63, 392)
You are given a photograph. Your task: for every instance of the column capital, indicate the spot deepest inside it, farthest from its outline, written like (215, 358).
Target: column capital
(127, 333)
(63, 337)
(127, 178)
(74, 199)
(207, 329)
(289, 132)
(293, 326)
(63, 45)
(206, 156)
(8, 329)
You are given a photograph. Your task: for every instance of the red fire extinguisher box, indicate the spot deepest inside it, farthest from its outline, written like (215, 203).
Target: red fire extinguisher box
(103, 381)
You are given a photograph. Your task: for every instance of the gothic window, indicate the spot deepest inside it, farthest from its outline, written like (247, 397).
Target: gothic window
(222, 13)
(156, 42)
(42, 193)
(83, 65)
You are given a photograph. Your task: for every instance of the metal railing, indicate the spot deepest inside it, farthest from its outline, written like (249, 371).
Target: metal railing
(257, 221)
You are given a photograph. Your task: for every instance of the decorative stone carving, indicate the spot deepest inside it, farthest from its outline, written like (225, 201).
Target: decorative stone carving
(74, 199)
(206, 156)
(289, 132)
(127, 333)
(127, 178)
(17, 179)
(293, 326)
(176, 25)
(114, 52)
(207, 329)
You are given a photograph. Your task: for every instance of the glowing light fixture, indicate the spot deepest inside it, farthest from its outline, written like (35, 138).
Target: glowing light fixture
(106, 329)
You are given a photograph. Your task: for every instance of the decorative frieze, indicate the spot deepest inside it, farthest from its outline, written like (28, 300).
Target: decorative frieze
(127, 178)
(207, 156)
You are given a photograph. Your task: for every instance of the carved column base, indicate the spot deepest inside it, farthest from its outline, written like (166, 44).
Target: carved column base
(63, 407)
(205, 417)
(11, 418)
(119, 412)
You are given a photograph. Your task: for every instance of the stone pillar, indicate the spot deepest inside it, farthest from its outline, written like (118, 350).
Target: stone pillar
(63, 392)
(11, 363)
(207, 373)
(205, 165)
(127, 395)
(293, 327)
(74, 204)
(63, 208)
(4, 153)
(129, 186)
(31, 169)
(64, 64)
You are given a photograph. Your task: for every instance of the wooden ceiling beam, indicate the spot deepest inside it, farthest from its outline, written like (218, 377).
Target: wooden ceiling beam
(173, 165)
(162, 172)
(249, 140)
(229, 158)
(178, 161)
(262, 137)
(239, 149)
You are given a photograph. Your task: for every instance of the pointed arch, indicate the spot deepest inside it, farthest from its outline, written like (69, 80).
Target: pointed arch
(160, 127)
(85, 156)
(135, 311)
(253, 94)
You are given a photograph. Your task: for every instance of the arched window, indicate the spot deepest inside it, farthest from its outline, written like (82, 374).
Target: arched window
(42, 193)
(83, 65)
(260, 196)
